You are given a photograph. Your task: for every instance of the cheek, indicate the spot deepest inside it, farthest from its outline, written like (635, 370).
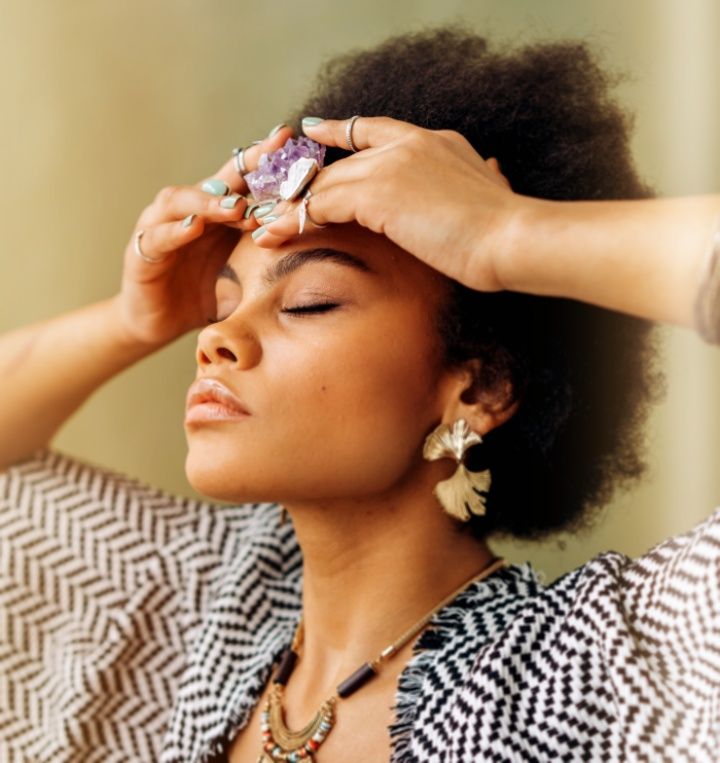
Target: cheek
(357, 410)
(344, 415)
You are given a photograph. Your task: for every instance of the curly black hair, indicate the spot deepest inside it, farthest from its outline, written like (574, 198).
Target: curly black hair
(585, 376)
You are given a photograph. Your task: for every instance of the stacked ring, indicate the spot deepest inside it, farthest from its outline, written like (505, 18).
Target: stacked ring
(239, 154)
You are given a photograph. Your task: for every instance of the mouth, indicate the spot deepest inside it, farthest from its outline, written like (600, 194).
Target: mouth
(209, 400)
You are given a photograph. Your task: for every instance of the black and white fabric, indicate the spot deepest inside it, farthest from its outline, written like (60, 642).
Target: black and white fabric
(137, 626)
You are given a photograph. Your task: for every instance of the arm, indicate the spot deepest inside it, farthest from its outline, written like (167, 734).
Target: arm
(434, 196)
(646, 258)
(48, 370)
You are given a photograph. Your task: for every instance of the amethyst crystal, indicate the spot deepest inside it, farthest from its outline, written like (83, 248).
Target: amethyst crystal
(264, 182)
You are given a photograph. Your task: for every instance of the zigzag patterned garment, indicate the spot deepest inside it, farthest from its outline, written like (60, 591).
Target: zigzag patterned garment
(137, 626)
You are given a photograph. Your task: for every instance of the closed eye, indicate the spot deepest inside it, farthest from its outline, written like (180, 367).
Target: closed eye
(315, 307)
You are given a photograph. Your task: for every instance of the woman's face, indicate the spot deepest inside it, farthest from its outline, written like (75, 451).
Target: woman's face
(329, 345)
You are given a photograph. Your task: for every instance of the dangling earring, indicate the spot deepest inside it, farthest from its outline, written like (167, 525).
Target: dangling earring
(460, 495)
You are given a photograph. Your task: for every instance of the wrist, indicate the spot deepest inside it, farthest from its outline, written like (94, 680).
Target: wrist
(526, 222)
(130, 345)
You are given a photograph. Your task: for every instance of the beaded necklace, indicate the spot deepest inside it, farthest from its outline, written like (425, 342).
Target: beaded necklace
(282, 744)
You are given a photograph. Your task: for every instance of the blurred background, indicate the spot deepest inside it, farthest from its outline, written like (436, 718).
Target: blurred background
(104, 102)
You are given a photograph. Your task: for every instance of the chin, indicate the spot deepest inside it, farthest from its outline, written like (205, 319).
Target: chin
(220, 480)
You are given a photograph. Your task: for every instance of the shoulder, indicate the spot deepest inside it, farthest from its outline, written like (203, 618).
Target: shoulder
(113, 577)
(596, 661)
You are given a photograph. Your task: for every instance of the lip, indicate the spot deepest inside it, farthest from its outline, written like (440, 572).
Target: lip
(210, 400)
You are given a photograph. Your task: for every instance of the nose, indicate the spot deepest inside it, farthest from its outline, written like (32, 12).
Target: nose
(219, 344)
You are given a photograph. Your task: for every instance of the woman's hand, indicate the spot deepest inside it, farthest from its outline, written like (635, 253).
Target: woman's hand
(160, 301)
(428, 191)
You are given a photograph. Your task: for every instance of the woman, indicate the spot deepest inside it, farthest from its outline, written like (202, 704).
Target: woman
(434, 295)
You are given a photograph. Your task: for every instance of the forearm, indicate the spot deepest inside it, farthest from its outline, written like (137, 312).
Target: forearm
(49, 369)
(644, 257)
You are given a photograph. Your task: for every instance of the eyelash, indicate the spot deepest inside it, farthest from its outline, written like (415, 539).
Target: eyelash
(317, 307)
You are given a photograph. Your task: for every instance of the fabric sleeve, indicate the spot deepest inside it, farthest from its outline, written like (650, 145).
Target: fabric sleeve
(618, 660)
(103, 582)
(672, 602)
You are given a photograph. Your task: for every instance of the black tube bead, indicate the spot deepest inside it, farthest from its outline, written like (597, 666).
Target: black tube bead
(357, 680)
(286, 667)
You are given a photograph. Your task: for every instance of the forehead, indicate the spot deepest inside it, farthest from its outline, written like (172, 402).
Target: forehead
(391, 264)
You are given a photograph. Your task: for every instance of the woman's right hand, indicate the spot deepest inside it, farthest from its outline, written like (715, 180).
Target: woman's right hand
(160, 301)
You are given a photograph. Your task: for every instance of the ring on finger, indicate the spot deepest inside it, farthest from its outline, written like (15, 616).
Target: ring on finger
(348, 133)
(239, 154)
(304, 213)
(139, 252)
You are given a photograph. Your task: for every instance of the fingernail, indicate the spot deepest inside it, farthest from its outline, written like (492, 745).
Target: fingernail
(275, 130)
(230, 201)
(264, 209)
(269, 219)
(251, 208)
(188, 221)
(311, 121)
(259, 232)
(216, 187)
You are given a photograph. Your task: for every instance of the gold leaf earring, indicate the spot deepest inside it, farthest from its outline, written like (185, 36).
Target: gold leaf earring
(460, 495)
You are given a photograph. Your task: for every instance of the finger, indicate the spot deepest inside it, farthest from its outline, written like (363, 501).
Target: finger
(229, 173)
(350, 169)
(177, 202)
(162, 241)
(335, 204)
(367, 132)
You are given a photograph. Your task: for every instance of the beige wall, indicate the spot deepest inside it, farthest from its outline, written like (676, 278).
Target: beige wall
(105, 102)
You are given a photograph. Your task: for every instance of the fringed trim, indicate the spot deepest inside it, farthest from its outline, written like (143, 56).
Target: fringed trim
(440, 629)
(239, 716)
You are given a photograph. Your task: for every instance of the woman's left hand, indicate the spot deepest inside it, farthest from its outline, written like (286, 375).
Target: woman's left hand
(427, 191)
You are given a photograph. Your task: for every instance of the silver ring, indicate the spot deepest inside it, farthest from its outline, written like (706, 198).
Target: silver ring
(239, 154)
(139, 252)
(304, 214)
(348, 133)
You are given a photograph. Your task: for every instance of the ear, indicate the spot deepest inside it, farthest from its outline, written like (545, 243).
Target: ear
(484, 408)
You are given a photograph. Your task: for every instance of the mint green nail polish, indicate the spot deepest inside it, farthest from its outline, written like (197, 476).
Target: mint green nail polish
(269, 219)
(311, 121)
(275, 130)
(259, 232)
(188, 221)
(215, 187)
(230, 201)
(264, 209)
(251, 208)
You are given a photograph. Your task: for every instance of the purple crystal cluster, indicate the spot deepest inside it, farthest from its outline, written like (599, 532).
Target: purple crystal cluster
(264, 182)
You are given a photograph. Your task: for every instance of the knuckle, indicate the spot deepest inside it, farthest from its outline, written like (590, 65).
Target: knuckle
(455, 137)
(166, 195)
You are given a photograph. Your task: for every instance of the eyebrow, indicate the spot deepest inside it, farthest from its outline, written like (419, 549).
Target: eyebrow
(290, 262)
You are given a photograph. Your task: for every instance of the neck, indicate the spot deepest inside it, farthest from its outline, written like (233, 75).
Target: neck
(372, 569)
